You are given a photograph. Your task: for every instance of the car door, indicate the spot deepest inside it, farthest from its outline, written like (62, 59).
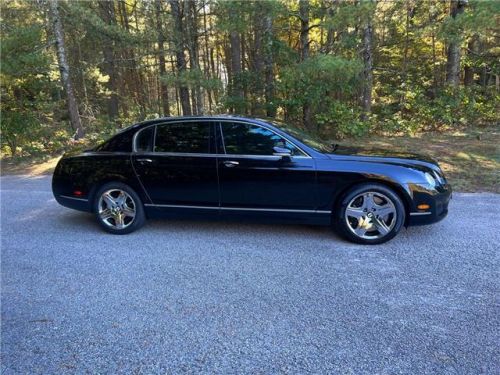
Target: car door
(177, 165)
(253, 177)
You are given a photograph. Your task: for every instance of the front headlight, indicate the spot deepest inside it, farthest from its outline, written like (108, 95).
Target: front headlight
(431, 180)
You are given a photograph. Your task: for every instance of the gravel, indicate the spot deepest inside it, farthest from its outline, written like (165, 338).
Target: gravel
(226, 297)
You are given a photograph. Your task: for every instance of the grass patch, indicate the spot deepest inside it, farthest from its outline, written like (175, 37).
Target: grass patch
(470, 158)
(33, 166)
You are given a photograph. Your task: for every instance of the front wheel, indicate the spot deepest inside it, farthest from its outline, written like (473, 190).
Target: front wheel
(118, 208)
(370, 214)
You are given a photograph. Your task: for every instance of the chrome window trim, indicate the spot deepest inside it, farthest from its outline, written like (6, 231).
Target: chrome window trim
(198, 155)
(306, 155)
(237, 208)
(219, 121)
(221, 135)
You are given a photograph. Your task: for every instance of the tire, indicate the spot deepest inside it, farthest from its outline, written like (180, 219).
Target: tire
(369, 214)
(118, 208)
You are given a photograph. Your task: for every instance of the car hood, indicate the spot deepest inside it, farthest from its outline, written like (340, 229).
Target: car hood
(384, 156)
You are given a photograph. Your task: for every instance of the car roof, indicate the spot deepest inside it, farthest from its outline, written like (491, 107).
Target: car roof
(181, 118)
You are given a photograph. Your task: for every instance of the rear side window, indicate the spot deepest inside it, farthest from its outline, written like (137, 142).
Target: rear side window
(187, 137)
(119, 143)
(248, 139)
(144, 140)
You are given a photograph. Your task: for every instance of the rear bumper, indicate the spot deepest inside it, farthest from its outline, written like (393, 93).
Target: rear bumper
(62, 188)
(80, 204)
(437, 198)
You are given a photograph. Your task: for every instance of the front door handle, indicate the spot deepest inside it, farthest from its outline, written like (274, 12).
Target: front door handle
(145, 160)
(231, 163)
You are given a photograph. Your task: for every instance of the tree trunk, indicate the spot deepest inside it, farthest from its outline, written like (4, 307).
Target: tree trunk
(206, 54)
(472, 51)
(368, 70)
(453, 56)
(179, 54)
(194, 54)
(165, 104)
(74, 116)
(268, 66)
(331, 31)
(108, 15)
(237, 90)
(304, 54)
(304, 29)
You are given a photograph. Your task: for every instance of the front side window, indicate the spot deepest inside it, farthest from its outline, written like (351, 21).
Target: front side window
(248, 139)
(186, 137)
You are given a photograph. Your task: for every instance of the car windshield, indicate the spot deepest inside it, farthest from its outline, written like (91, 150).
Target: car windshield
(303, 136)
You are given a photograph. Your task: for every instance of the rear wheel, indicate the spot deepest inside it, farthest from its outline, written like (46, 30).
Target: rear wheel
(370, 214)
(118, 208)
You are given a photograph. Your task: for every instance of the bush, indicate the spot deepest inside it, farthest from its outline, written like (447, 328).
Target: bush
(341, 120)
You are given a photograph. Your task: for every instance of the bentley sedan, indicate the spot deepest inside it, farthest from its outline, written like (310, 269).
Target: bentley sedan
(237, 167)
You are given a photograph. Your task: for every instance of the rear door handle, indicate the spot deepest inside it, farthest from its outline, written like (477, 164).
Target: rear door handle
(231, 163)
(145, 160)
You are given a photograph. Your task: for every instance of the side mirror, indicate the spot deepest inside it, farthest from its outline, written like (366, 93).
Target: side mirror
(283, 152)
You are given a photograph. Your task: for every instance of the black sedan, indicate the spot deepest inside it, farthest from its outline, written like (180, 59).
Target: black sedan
(239, 167)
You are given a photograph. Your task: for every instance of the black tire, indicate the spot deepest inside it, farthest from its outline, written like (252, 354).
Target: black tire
(343, 223)
(129, 224)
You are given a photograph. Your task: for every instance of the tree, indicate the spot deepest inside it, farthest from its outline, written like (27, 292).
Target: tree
(453, 56)
(74, 115)
(178, 36)
(269, 65)
(108, 14)
(194, 55)
(366, 98)
(165, 104)
(304, 54)
(304, 29)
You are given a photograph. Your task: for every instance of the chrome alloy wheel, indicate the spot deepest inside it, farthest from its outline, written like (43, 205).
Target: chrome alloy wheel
(370, 215)
(116, 208)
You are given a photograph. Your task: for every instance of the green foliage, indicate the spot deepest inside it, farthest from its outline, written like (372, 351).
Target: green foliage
(26, 91)
(341, 120)
(451, 108)
(320, 81)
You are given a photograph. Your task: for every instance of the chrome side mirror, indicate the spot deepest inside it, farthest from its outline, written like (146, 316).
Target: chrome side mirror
(283, 152)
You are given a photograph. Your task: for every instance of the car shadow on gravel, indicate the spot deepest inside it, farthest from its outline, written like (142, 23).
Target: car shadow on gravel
(81, 222)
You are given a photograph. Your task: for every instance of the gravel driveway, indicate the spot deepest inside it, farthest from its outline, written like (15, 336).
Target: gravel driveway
(216, 297)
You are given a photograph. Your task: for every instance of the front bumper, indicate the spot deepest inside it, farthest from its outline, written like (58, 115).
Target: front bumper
(437, 198)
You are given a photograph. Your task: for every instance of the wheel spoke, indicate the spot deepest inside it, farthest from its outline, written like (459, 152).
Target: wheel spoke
(382, 227)
(129, 212)
(385, 210)
(360, 231)
(106, 214)
(354, 212)
(368, 201)
(119, 223)
(110, 201)
(121, 198)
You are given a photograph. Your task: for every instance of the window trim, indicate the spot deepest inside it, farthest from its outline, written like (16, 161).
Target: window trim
(134, 138)
(304, 154)
(218, 122)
